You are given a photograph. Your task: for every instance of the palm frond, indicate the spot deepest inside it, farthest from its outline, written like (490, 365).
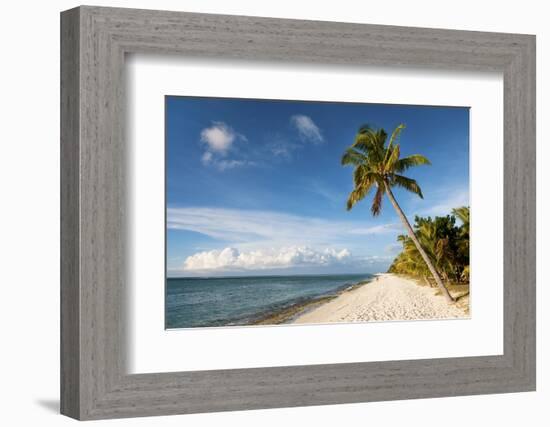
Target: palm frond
(353, 157)
(377, 164)
(392, 158)
(408, 184)
(381, 137)
(376, 207)
(440, 239)
(363, 175)
(393, 140)
(405, 163)
(371, 142)
(357, 194)
(463, 214)
(395, 134)
(364, 138)
(365, 127)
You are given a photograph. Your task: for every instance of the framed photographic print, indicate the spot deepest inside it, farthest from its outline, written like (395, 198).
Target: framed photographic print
(263, 213)
(260, 226)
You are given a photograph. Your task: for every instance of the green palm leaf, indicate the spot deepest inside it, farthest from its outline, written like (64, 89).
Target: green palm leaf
(376, 207)
(401, 165)
(374, 162)
(364, 176)
(463, 214)
(392, 158)
(393, 139)
(408, 184)
(358, 194)
(371, 142)
(354, 157)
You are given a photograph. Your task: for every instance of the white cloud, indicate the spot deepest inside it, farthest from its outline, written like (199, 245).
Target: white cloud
(378, 229)
(307, 129)
(223, 152)
(219, 137)
(219, 140)
(231, 258)
(278, 146)
(231, 164)
(206, 158)
(242, 226)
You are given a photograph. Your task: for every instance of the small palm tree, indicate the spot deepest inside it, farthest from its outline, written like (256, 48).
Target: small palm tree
(463, 214)
(380, 166)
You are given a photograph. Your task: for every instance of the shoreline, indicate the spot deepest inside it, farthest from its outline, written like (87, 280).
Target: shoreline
(288, 315)
(388, 297)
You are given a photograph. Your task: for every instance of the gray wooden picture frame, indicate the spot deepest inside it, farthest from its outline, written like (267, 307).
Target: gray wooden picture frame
(94, 382)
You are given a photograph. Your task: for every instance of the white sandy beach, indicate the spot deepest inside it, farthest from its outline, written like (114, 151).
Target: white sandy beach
(387, 297)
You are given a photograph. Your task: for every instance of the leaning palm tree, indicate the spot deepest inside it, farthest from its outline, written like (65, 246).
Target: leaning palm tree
(377, 165)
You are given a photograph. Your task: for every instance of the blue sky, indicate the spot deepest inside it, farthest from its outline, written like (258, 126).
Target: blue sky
(256, 186)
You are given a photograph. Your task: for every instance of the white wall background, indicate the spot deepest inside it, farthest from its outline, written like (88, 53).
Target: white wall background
(29, 213)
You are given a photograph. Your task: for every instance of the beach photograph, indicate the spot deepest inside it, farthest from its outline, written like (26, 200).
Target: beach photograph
(290, 212)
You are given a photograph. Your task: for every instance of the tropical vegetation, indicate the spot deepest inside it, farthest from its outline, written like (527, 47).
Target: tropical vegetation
(446, 243)
(378, 165)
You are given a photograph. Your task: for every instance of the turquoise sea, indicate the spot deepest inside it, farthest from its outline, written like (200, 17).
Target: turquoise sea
(230, 301)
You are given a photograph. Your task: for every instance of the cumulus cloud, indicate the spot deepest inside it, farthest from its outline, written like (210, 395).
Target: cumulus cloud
(219, 137)
(307, 129)
(231, 258)
(219, 140)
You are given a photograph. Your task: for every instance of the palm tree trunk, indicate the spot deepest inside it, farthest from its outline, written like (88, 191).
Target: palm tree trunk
(417, 244)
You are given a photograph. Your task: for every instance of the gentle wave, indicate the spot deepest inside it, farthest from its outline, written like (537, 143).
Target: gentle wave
(237, 301)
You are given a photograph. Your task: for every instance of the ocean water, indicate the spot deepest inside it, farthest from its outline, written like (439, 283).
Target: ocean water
(229, 301)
